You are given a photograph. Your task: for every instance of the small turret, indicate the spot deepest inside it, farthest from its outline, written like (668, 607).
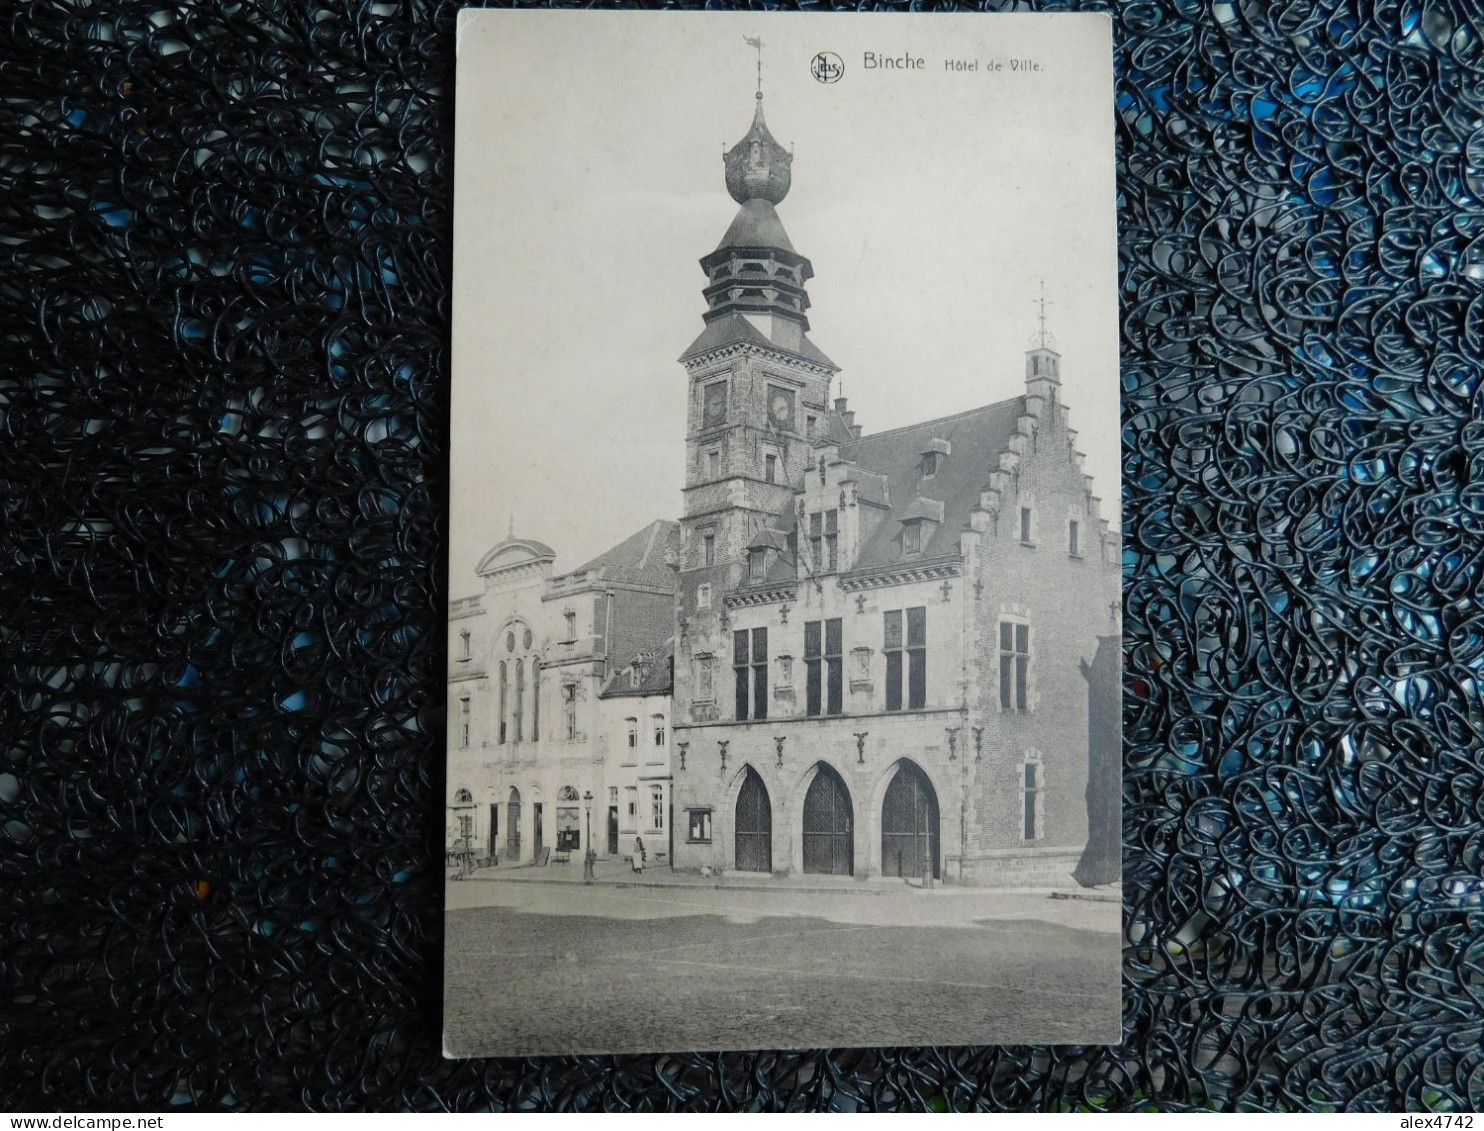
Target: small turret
(1042, 364)
(1043, 374)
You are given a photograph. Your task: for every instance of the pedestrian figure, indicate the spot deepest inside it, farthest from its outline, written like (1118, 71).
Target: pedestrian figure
(640, 859)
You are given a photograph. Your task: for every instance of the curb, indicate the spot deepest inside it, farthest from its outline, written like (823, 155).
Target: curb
(814, 889)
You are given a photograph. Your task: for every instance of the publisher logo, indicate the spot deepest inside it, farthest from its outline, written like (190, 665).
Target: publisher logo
(826, 67)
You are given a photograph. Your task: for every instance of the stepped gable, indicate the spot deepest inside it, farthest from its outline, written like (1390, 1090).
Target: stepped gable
(977, 438)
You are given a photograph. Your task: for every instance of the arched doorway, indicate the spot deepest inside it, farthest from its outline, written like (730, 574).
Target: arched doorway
(909, 824)
(829, 840)
(512, 825)
(754, 847)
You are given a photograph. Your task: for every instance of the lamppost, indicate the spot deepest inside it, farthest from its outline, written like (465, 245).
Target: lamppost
(589, 858)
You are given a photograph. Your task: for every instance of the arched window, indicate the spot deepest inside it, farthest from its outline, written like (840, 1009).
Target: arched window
(503, 696)
(567, 793)
(536, 700)
(520, 698)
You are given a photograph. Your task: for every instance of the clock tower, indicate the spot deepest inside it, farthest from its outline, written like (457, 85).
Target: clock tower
(758, 388)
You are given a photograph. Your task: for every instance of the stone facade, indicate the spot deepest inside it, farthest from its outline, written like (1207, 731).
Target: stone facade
(879, 638)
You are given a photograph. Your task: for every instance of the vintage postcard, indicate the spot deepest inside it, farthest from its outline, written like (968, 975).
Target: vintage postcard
(784, 633)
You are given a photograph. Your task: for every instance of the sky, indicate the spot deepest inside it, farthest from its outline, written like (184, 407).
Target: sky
(933, 204)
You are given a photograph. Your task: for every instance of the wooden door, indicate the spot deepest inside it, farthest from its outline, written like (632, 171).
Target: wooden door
(754, 826)
(829, 839)
(909, 824)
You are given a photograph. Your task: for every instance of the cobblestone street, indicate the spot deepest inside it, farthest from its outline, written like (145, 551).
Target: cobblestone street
(557, 968)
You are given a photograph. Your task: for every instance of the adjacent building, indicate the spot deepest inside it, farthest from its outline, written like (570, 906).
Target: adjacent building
(559, 703)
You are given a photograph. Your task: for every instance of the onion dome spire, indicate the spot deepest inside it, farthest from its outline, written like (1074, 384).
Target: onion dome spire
(755, 278)
(757, 167)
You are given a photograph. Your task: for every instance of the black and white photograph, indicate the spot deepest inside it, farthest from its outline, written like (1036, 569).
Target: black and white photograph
(784, 637)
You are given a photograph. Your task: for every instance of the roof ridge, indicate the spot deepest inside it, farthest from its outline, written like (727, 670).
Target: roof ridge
(937, 420)
(654, 529)
(658, 527)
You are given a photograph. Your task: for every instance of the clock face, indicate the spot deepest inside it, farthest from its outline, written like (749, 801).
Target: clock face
(714, 410)
(780, 407)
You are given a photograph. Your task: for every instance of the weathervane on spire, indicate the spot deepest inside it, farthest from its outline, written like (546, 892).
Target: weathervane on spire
(1045, 338)
(756, 42)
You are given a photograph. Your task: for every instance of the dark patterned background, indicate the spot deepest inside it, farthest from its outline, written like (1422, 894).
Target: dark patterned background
(224, 251)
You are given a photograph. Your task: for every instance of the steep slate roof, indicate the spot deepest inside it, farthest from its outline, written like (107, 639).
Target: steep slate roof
(978, 437)
(734, 329)
(656, 676)
(756, 225)
(639, 558)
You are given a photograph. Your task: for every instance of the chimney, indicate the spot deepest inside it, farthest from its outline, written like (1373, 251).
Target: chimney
(847, 416)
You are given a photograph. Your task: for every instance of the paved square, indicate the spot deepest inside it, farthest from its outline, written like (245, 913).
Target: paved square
(561, 968)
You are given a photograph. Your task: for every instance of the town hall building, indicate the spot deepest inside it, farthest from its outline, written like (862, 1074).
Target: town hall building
(879, 649)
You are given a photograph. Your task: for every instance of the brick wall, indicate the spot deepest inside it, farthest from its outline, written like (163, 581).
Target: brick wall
(1065, 601)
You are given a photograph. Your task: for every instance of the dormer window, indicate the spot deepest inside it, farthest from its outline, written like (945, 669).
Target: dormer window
(757, 561)
(934, 453)
(634, 673)
(919, 522)
(824, 540)
(912, 538)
